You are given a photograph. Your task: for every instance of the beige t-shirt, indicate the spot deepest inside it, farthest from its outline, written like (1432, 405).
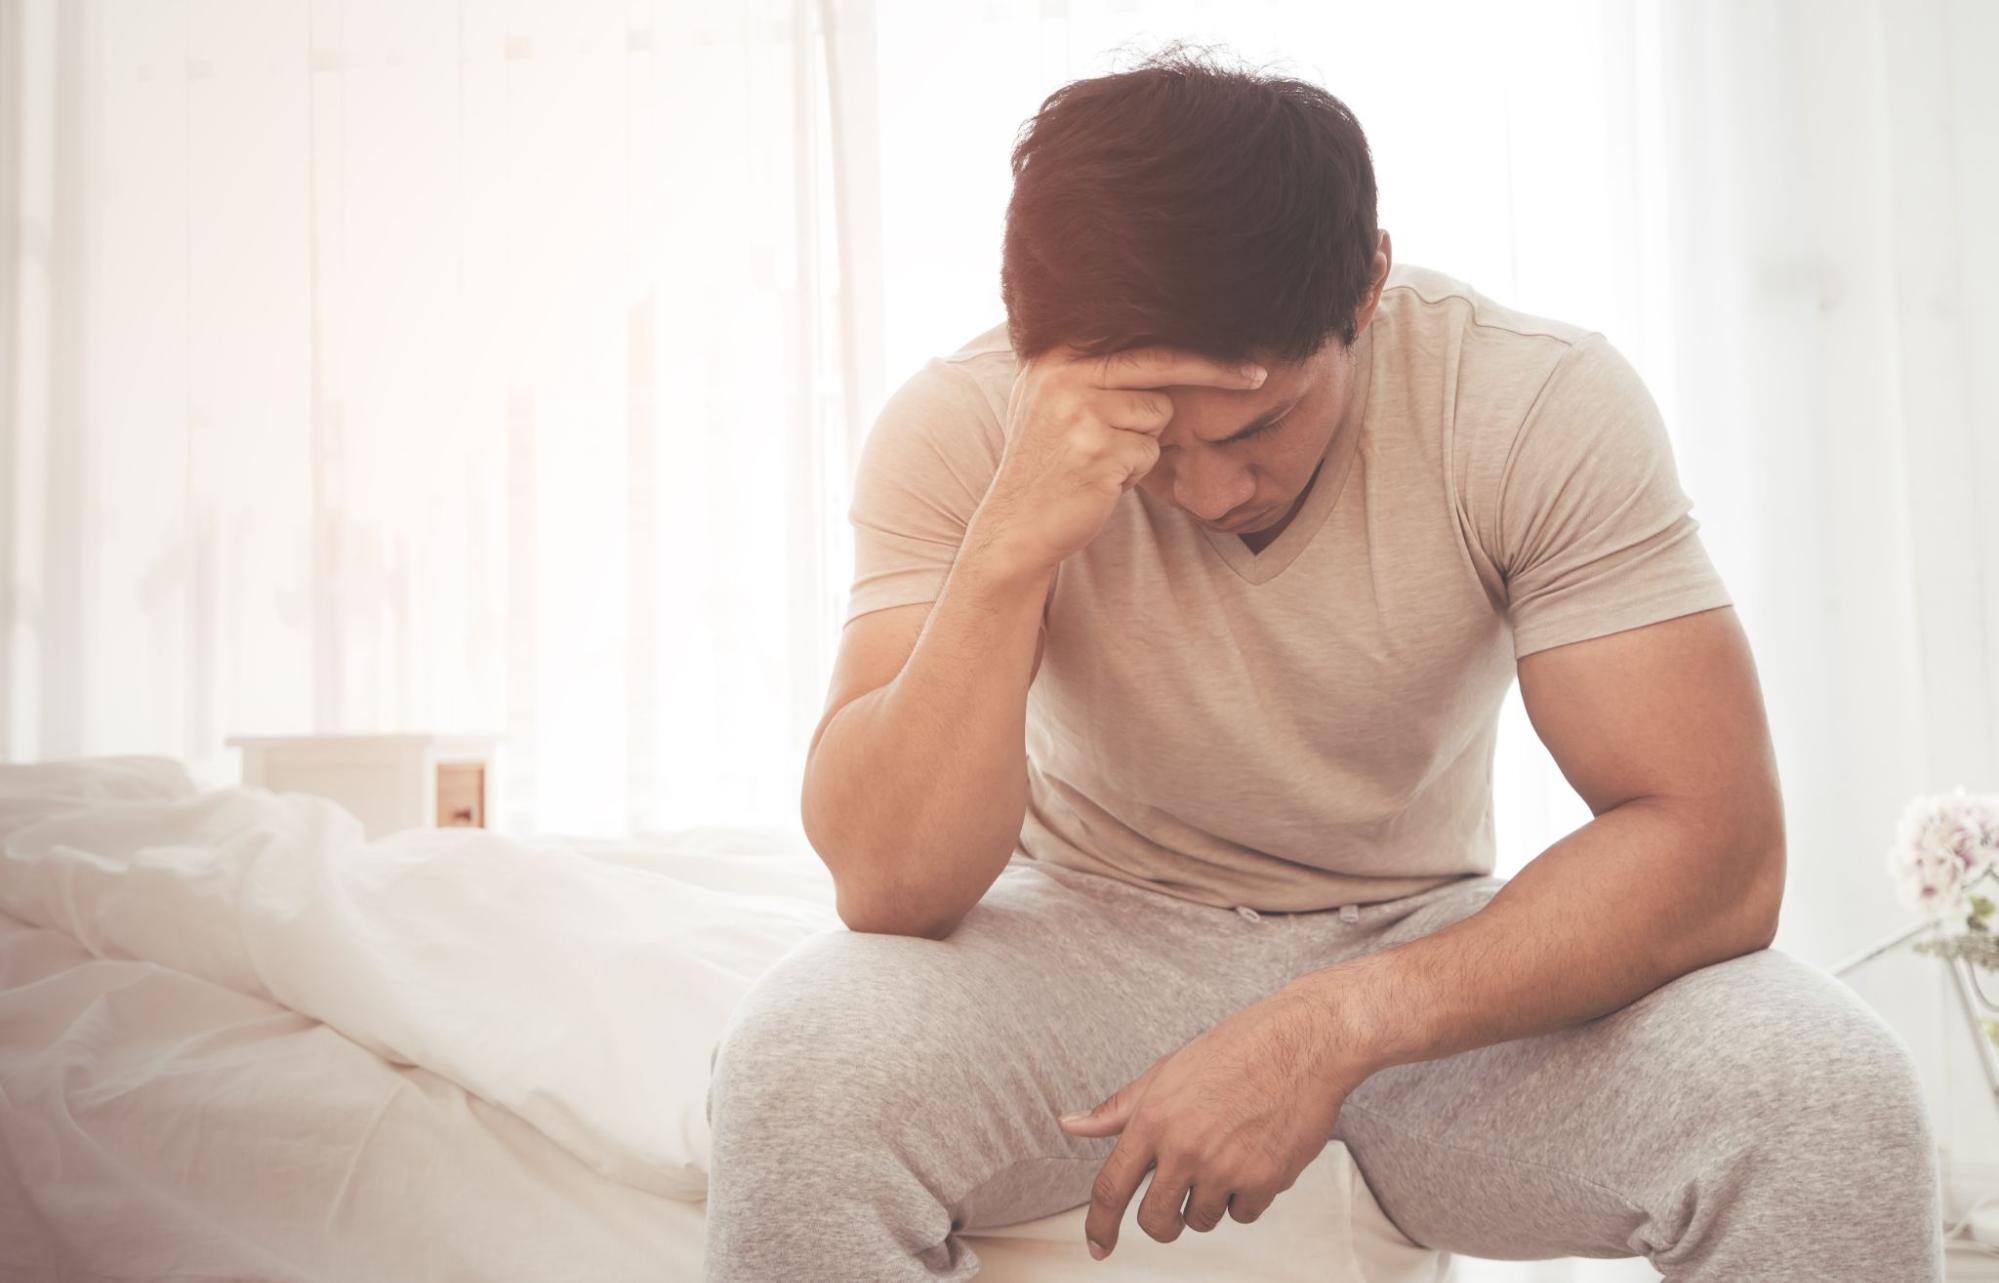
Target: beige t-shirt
(1312, 725)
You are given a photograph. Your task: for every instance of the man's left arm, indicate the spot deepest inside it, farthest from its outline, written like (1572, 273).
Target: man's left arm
(1659, 726)
(1661, 731)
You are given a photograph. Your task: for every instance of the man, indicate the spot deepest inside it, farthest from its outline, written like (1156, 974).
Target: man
(1243, 534)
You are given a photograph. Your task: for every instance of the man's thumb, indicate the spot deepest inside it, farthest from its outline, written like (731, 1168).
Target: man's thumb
(1109, 1118)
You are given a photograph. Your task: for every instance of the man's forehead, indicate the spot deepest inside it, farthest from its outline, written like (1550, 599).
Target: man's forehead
(1220, 416)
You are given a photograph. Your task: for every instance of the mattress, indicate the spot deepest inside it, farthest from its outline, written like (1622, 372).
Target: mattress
(237, 1040)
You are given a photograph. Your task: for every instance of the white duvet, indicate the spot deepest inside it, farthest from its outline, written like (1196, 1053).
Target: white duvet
(561, 987)
(239, 1040)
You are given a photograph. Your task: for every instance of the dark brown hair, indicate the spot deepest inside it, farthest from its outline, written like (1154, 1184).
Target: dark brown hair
(1225, 211)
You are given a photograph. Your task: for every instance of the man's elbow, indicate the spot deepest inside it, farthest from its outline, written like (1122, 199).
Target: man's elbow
(871, 895)
(875, 912)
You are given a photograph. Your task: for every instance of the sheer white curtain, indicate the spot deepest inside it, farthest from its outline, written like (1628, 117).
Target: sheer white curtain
(425, 364)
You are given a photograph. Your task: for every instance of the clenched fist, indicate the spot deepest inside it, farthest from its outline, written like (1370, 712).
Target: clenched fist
(1080, 431)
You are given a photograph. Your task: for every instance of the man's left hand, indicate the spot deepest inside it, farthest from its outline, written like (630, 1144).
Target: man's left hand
(1229, 1120)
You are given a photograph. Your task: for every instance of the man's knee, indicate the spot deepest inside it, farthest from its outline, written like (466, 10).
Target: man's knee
(821, 1145)
(825, 1049)
(1798, 1080)
(1804, 1116)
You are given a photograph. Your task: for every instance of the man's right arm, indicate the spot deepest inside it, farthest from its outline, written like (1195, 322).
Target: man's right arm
(916, 781)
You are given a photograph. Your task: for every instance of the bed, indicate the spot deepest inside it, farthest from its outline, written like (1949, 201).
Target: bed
(237, 1040)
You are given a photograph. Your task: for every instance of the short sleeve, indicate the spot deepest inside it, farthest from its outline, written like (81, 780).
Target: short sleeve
(1595, 534)
(923, 471)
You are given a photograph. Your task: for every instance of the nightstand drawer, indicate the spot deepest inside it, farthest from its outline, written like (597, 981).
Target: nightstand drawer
(461, 795)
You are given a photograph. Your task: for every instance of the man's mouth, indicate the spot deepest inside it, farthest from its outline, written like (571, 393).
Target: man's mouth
(1234, 523)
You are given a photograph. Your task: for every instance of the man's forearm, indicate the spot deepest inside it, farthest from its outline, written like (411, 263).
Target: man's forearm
(1641, 895)
(915, 792)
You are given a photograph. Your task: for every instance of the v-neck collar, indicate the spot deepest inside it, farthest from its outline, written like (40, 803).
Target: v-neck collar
(1279, 553)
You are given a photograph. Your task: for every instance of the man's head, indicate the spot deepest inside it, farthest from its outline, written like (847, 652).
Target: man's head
(1222, 211)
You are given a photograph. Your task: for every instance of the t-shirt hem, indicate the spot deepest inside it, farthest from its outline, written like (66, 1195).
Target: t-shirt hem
(1325, 890)
(1546, 635)
(859, 604)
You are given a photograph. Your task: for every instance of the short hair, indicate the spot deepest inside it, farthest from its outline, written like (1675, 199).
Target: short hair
(1221, 210)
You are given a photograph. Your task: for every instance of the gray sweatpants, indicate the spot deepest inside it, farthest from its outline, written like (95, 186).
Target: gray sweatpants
(1753, 1120)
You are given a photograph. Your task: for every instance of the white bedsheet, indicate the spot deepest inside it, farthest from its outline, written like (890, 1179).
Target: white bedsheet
(237, 1040)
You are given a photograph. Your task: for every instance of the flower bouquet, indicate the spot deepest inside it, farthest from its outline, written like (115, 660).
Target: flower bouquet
(1946, 847)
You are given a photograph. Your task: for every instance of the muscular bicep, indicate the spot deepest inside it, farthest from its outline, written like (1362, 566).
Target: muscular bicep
(873, 649)
(1672, 710)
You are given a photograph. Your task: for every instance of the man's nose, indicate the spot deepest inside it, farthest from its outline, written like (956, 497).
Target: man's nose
(1211, 488)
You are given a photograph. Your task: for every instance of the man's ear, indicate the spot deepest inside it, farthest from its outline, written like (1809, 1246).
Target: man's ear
(1384, 258)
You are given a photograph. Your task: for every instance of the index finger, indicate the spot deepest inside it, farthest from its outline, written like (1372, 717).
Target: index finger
(1117, 1180)
(1161, 367)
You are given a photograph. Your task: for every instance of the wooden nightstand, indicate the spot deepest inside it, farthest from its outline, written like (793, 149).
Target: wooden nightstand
(389, 782)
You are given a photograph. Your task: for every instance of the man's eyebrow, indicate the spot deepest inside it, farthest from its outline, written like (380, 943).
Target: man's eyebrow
(1263, 420)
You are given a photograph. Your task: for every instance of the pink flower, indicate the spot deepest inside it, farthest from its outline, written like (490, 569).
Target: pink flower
(1943, 843)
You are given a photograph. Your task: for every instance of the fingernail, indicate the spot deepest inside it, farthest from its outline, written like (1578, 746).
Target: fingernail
(1097, 1253)
(1074, 1118)
(1255, 374)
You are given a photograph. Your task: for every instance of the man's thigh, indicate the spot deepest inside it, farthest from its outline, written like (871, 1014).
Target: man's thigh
(1643, 1132)
(950, 1060)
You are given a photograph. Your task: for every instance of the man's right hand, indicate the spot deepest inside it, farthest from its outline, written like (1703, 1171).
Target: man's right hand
(1080, 431)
